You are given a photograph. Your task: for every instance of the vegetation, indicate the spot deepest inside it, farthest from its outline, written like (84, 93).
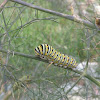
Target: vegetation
(22, 29)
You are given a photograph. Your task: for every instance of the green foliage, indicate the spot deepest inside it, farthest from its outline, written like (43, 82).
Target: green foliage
(65, 36)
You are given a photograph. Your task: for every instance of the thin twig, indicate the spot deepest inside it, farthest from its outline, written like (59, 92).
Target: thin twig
(75, 83)
(2, 5)
(37, 58)
(72, 18)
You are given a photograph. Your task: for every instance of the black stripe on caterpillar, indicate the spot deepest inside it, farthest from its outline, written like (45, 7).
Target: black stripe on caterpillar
(47, 52)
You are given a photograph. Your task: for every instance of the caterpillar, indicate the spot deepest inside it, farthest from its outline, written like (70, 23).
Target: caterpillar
(47, 52)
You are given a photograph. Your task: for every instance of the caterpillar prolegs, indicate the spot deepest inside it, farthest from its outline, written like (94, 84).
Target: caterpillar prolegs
(45, 51)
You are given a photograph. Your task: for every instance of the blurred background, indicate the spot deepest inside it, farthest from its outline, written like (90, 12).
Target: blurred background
(23, 28)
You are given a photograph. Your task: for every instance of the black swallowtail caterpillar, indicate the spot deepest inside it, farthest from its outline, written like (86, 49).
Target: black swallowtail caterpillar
(45, 51)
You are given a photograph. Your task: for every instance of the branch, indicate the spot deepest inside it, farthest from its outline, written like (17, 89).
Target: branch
(72, 18)
(2, 5)
(22, 55)
(37, 58)
(32, 21)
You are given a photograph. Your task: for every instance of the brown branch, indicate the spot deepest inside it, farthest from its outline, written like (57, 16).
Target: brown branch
(72, 18)
(37, 58)
(3, 4)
